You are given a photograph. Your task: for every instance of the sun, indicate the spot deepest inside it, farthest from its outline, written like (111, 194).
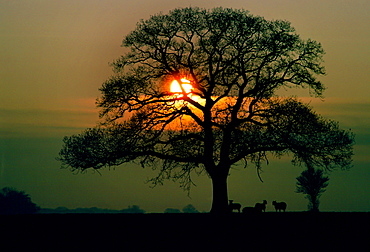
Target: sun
(184, 91)
(176, 88)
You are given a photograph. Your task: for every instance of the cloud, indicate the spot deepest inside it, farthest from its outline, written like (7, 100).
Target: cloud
(351, 113)
(44, 122)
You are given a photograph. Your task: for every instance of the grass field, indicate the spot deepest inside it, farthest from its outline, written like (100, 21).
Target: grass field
(291, 231)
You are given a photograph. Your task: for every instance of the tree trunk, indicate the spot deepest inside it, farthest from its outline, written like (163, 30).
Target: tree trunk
(220, 197)
(315, 204)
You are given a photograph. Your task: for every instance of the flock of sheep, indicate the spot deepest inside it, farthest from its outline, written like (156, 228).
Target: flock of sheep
(258, 207)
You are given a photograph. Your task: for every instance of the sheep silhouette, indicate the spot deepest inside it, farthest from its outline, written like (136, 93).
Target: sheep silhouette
(279, 206)
(233, 206)
(260, 207)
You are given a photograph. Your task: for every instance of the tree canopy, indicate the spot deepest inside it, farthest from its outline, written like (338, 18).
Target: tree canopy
(235, 63)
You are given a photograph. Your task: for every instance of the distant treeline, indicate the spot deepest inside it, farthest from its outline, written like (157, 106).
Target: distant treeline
(91, 210)
(95, 210)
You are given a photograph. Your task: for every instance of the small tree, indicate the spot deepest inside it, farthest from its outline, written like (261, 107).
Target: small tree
(312, 182)
(16, 202)
(235, 64)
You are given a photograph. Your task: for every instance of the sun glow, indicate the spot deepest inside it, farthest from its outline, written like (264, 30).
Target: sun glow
(185, 84)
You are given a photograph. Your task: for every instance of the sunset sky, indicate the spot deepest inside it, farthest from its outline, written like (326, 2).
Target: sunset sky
(54, 55)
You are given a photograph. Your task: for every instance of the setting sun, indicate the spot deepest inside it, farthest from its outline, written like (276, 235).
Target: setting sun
(176, 88)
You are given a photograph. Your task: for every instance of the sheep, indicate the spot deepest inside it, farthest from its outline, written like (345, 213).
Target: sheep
(233, 206)
(259, 207)
(279, 206)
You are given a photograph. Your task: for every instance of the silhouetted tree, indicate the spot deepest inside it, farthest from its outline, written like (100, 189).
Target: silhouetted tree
(235, 63)
(312, 183)
(16, 202)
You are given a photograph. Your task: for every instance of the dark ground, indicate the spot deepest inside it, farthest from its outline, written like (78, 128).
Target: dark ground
(186, 232)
